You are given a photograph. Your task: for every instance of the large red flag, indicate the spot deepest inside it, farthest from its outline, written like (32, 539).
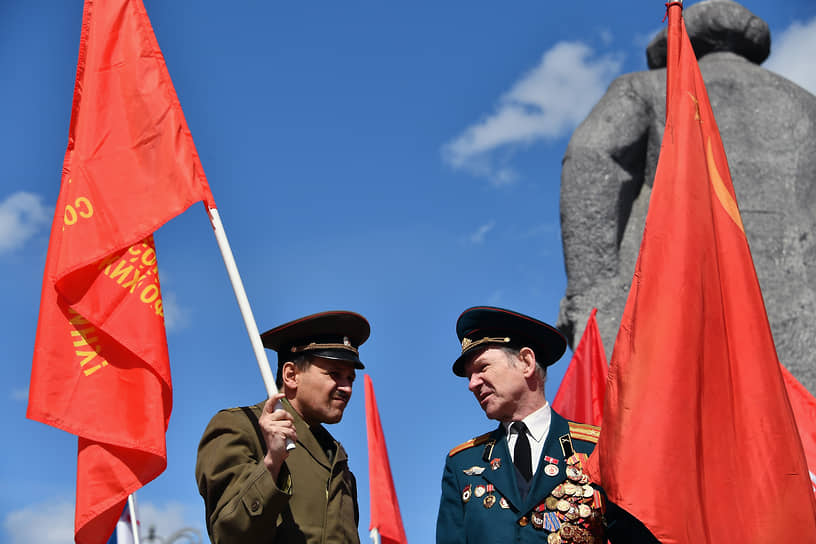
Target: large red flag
(580, 396)
(385, 512)
(699, 441)
(804, 411)
(100, 367)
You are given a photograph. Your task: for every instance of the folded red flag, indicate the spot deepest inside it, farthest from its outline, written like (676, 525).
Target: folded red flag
(100, 367)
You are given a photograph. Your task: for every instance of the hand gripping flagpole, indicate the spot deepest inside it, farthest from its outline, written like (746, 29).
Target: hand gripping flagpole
(246, 311)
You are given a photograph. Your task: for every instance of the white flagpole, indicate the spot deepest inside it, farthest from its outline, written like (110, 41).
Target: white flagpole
(134, 525)
(246, 311)
(375, 536)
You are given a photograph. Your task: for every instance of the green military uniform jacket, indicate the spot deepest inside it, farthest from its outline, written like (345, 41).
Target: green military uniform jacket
(313, 501)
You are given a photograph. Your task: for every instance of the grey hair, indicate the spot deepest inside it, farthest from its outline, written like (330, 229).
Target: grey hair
(514, 354)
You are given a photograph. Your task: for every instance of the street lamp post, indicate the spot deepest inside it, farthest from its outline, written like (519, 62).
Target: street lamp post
(186, 535)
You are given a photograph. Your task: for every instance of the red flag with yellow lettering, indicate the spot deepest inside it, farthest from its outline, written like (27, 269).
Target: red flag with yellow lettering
(100, 367)
(699, 441)
(580, 396)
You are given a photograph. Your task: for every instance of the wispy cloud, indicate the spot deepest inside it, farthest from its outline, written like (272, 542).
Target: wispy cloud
(22, 215)
(545, 104)
(495, 298)
(792, 54)
(53, 522)
(478, 237)
(176, 317)
(19, 395)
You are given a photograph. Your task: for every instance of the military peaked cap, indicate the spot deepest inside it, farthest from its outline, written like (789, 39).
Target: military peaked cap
(331, 335)
(485, 325)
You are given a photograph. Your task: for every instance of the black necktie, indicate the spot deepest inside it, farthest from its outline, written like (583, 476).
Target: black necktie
(521, 453)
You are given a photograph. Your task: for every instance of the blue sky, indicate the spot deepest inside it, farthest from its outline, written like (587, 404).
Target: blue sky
(398, 160)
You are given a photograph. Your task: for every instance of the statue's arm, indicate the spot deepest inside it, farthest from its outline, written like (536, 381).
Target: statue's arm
(602, 173)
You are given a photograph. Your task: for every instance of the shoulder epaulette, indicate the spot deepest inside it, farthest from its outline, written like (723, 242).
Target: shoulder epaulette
(470, 444)
(585, 432)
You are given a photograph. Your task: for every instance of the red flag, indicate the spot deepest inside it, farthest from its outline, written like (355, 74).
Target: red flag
(580, 396)
(385, 512)
(100, 367)
(699, 441)
(804, 411)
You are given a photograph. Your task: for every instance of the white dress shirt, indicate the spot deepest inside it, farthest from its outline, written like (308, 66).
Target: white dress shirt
(538, 426)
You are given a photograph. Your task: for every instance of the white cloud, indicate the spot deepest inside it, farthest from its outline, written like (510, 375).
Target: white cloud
(53, 522)
(479, 236)
(545, 104)
(21, 217)
(167, 519)
(792, 54)
(44, 523)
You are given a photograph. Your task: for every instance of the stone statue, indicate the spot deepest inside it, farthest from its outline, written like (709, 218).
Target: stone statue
(768, 127)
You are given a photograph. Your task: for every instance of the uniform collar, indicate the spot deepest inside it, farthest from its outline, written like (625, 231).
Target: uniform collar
(308, 441)
(538, 423)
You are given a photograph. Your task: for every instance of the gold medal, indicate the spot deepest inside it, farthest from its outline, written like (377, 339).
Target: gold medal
(562, 506)
(584, 511)
(550, 503)
(537, 519)
(490, 499)
(570, 488)
(574, 473)
(553, 538)
(558, 492)
(551, 470)
(589, 492)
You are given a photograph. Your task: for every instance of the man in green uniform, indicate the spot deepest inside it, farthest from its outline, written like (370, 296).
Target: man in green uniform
(257, 491)
(525, 481)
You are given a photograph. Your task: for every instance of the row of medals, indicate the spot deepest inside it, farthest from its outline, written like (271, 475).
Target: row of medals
(572, 512)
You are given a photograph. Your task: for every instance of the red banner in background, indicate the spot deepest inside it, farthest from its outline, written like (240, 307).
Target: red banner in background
(580, 396)
(385, 512)
(100, 367)
(699, 441)
(803, 405)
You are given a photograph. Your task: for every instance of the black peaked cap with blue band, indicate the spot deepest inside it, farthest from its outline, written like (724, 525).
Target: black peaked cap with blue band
(489, 326)
(332, 335)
